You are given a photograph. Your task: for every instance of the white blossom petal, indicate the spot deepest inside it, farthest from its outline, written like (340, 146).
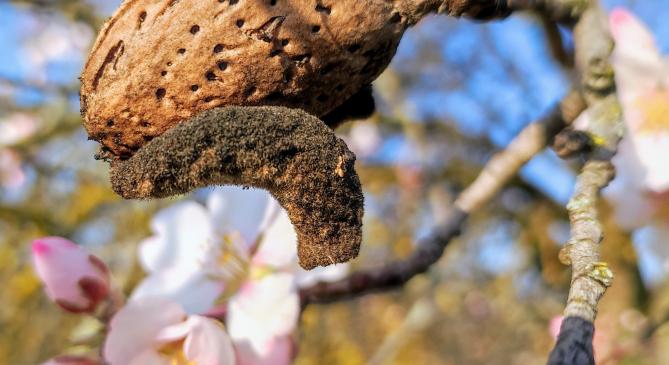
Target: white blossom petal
(654, 149)
(278, 246)
(194, 291)
(636, 58)
(364, 139)
(236, 209)
(208, 343)
(205, 340)
(149, 356)
(275, 351)
(263, 310)
(183, 234)
(133, 330)
(321, 274)
(16, 128)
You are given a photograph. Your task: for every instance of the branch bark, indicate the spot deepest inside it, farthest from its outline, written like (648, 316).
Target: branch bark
(497, 172)
(590, 276)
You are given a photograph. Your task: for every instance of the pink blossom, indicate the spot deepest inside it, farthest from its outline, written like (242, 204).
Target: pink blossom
(364, 139)
(261, 318)
(241, 246)
(554, 326)
(16, 127)
(158, 332)
(11, 172)
(73, 279)
(642, 77)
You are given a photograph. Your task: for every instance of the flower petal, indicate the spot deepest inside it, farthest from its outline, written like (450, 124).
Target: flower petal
(636, 58)
(70, 274)
(236, 209)
(149, 356)
(278, 246)
(183, 234)
(625, 192)
(193, 290)
(263, 310)
(16, 128)
(554, 326)
(321, 274)
(208, 343)
(653, 151)
(133, 330)
(276, 351)
(11, 172)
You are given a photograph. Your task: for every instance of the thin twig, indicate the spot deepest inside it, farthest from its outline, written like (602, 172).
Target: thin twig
(555, 42)
(497, 172)
(590, 276)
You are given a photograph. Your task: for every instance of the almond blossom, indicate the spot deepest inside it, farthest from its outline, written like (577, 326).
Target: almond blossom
(14, 128)
(74, 279)
(158, 331)
(640, 191)
(11, 172)
(641, 188)
(236, 254)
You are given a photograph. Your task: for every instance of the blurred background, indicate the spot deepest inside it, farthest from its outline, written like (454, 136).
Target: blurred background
(456, 92)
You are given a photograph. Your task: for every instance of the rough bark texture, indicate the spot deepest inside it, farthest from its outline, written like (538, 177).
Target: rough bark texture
(288, 152)
(157, 63)
(590, 276)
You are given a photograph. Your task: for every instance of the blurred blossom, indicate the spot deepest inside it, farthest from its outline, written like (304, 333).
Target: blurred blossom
(13, 129)
(158, 332)
(242, 248)
(53, 40)
(554, 326)
(71, 360)
(11, 173)
(640, 191)
(633, 320)
(261, 318)
(73, 279)
(6, 88)
(364, 139)
(16, 128)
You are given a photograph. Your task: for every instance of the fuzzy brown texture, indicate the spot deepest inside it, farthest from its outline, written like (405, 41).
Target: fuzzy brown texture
(288, 152)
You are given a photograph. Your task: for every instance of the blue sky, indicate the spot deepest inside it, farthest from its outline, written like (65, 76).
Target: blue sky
(517, 42)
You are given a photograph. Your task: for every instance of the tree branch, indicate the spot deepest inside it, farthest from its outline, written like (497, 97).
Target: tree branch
(497, 172)
(590, 277)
